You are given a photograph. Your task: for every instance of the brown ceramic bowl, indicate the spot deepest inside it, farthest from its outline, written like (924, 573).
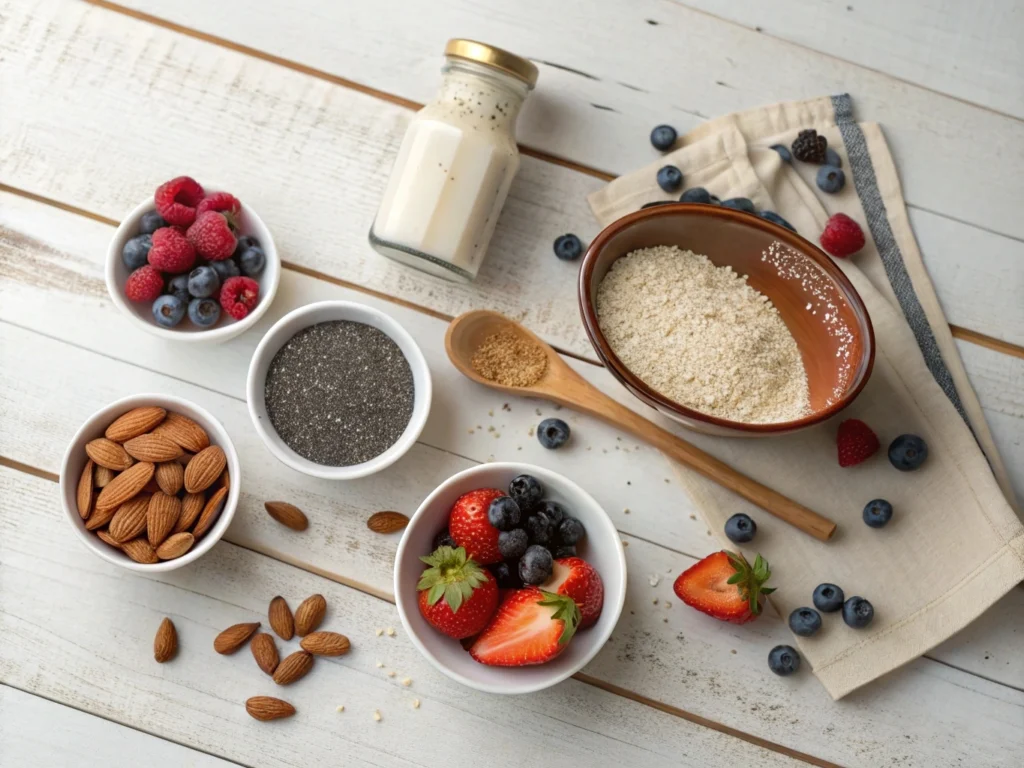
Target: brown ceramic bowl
(837, 351)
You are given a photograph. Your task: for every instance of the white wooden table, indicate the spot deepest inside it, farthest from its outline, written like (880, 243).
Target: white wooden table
(299, 108)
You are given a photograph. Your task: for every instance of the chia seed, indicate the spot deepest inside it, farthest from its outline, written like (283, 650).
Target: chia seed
(339, 393)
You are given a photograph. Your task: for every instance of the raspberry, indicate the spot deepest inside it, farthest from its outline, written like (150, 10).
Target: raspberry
(176, 200)
(222, 202)
(212, 236)
(856, 442)
(842, 236)
(239, 295)
(144, 284)
(171, 251)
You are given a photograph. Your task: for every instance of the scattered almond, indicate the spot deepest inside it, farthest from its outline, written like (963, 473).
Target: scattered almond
(210, 512)
(153, 447)
(281, 620)
(140, 551)
(102, 476)
(170, 476)
(234, 637)
(83, 496)
(325, 644)
(108, 454)
(161, 516)
(176, 545)
(138, 421)
(125, 486)
(293, 667)
(191, 507)
(287, 514)
(129, 520)
(268, 708)
(106, 538)
(165, 644)
(184, 431)
(309, 614)
(387, 522)
(204, 469)
(265, 652)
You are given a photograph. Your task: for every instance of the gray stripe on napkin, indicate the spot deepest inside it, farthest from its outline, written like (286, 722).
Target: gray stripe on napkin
(874, 208)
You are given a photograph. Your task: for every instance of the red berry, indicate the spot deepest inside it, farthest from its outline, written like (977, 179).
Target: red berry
(579, 580)
(222, 202)
(144, 284)
(470, 527)
(176, 200)
(239, 295)
(212, 237)
(856, 442)
(171, 252)
(456, 595)
(842, 236)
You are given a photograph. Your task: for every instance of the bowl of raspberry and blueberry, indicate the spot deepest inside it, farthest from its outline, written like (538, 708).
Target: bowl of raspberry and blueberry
(509, 578)
(193, 264)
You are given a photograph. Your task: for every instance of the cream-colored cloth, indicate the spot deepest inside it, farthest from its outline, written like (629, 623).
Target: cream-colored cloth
(955, 544)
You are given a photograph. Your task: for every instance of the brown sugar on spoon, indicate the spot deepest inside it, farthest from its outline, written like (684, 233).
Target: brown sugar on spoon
(510, 359)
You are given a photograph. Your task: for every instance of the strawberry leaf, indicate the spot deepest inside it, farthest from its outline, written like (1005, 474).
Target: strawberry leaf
(451, 574)
(566, 611)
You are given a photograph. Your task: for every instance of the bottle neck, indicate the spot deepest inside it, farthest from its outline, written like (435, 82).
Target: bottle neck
(486, 92)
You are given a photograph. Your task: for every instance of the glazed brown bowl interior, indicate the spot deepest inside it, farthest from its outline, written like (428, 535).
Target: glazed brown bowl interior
(817, 302)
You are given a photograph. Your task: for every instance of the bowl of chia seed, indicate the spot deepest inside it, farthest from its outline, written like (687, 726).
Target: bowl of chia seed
(338, 390)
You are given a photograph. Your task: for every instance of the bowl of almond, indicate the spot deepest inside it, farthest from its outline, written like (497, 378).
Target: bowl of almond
(150, 482)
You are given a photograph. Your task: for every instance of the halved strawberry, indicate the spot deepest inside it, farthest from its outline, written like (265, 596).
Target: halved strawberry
(723, 585)
(578, 579)
(470, 593)
(531, 627)
(470, 528)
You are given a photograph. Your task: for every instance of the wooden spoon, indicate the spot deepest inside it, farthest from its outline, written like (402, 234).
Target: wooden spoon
(561, 384)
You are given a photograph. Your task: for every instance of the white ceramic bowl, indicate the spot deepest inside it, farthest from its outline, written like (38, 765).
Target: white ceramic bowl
(321, 312)
(141, 315)
(95, 425)
(601, 547)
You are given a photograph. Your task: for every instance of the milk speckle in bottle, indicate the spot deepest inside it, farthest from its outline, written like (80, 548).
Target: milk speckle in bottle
(455, 165)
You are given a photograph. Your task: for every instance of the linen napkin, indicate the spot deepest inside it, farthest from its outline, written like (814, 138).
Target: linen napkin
(955, 544)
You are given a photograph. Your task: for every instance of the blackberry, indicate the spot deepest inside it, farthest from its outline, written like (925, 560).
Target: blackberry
(810, 147)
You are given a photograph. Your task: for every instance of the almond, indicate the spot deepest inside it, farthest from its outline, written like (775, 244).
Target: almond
(287, 514)
(209, 514)
(268, 708)
(325, 643)
(191, 507)
(108, 454)
(183, 431)
(102, 476)
(125, 486)
(309, 614)
(234, 637)
(83, 496)
(99, 519)
(281, 620)
(170, 476)
(165, 644)
(140, 551)
(293, 667)
(224, 481)
(153, 447)
(387, 522)
(175, 546)
(138, 421)
(129, 520)
(185, 458)
(161, 517)
(152, 486)
(106, 538)
(204, 468)
(265, 652)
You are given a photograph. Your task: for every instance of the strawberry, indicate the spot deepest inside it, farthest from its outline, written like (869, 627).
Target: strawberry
(531, 627)
(470, 593)
(856, 442)
(470, 527)
(578, 579)
(723, 585)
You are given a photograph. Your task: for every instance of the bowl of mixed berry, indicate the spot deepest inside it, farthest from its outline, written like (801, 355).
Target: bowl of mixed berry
(509, 578)
(193, 264)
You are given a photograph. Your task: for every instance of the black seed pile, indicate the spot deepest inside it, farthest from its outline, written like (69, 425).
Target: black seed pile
(339, 393)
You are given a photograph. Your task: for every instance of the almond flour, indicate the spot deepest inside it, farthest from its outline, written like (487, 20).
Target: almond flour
(700, 335)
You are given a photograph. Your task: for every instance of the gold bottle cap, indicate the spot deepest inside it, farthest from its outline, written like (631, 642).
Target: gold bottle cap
(490, 56)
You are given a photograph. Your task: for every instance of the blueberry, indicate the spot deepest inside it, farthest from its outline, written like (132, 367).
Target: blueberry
(739, 203)
(554, 511)
(654, 203)
(774, 218)
(716, 200)
(136, 251)
(804, 621)
(539, 527)
(512, 544)
(168, 310)
(252, 261)
(203, 282)
(444, 539)
(828, 598)
(783, 660)
(571, 531)
(225, 269)
(505, 576)
(568, 247)
(740, 528)
(663, 137)
(670, 178)
(564, 550)
(907, 452)
(552, 433)
(526, 491)
(695, 195)
(830, 179)
(203, 312)
(784, 153)
(858, 612)
(245, 242)
(503, 513)
(150, 222)
(877, 513)
(832, 158)
(535, 566)
(178, 286)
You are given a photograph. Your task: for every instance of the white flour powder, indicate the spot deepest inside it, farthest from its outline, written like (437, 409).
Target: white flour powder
(701, 336)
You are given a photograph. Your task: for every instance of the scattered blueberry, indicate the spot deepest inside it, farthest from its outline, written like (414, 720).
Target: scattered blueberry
(150, 222)
(832, 158)
(168, 310)
(526, 491)
(444, 539)
(877, 513)
(570, 531)
(136, 251)
(503, 513)
(203, 312)
(858, 612)
(774, 218)
(505, 577)
(740, 528)
(830, 179)
(564, 550)
(252, 261)
(225, 269)
(513, 544)
(552, 433)
(535, 566)
(828, 598)
(178, 286)
(203, 282)
(663, 137)
(783, 660)
(695, 195)
(739, 203)
(670, 178)
(804, 621)
(653, 203)
(554, 511)
(784, 153)
(539, 527)
(568, 247)
(907, 452)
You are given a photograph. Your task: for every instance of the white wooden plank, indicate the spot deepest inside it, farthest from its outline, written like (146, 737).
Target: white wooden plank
(89, 644)
(37, 732)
